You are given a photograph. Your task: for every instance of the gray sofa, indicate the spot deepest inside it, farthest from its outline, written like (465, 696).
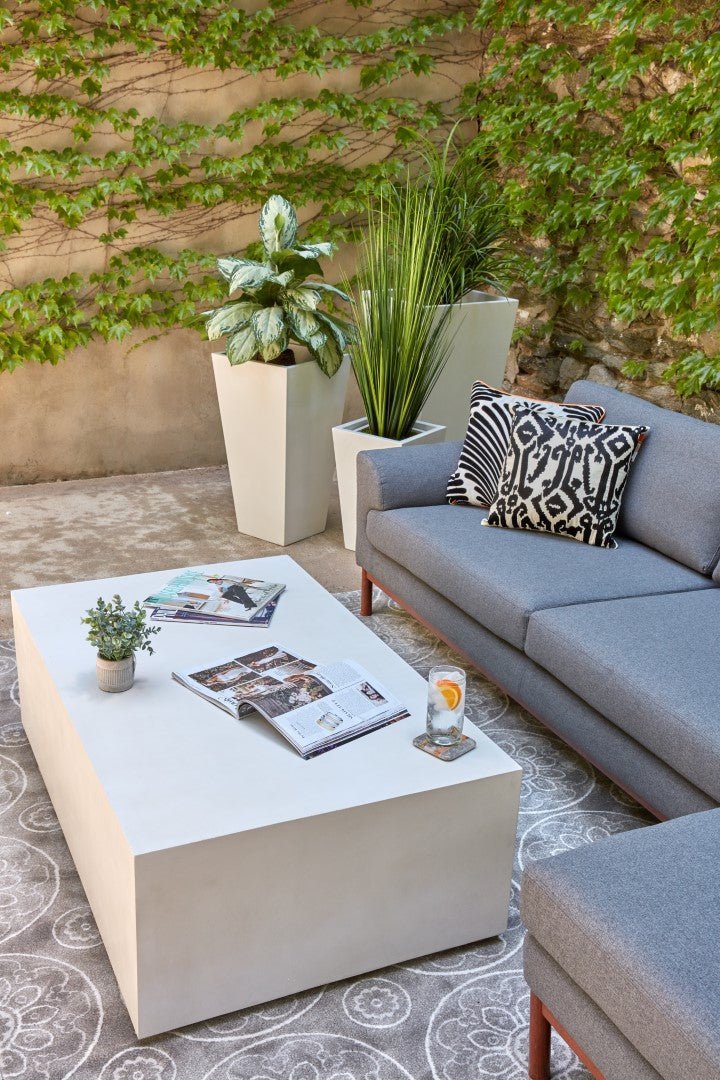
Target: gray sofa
(618, 652)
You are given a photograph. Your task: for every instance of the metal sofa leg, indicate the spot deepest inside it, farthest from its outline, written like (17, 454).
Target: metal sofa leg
(366, 594)
(539, 1048)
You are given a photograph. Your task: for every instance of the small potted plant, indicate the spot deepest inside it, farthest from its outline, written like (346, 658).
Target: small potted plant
(118, 633)
(281, 381)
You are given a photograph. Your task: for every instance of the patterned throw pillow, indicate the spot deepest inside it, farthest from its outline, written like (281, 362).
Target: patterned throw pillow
(475, 481)
(565, 477)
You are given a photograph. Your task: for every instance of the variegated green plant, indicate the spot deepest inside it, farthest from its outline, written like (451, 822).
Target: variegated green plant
(279, 299)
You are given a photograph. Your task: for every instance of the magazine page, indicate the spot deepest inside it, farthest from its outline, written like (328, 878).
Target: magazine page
(243, 679)
(219, 595)
(331, 705)
(314, 707)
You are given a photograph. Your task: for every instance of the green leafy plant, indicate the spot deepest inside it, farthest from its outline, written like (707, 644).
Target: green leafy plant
(471, 218)
(401, 342)
(278, 302)
(116, 631)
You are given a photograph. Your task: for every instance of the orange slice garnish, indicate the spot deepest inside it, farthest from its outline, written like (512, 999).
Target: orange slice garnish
(450, 691)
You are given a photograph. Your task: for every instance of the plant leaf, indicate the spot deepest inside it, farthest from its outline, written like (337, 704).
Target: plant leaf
(229, 319)
(242, 346)
(301, 266)
(328, 356)
(273, 350)
(324, 286)
(337, 330)
(269, 326)
(305, 296)
(303, 323)
(277, 224)
(249, 275)
(308, 251)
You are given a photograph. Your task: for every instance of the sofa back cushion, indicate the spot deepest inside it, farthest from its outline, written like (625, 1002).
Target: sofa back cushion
(672, 498)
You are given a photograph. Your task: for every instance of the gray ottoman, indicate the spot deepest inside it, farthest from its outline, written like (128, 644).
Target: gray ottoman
(623, 953)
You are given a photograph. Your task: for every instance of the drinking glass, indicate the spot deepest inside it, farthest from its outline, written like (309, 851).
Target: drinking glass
(446, 705)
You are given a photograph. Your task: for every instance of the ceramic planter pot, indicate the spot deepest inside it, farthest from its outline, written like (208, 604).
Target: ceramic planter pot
(480, 327)
(349, 439)
(277, 424)
(115, 676)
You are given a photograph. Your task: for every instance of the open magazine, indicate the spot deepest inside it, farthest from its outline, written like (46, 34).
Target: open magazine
(316, 707)
(203, 597)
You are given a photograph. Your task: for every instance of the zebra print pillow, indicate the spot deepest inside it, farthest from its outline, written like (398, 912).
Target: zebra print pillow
(475, 481)
(565, 477)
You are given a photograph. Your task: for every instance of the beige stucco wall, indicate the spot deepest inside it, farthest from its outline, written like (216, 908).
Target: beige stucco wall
(107, 411)
(104, 409)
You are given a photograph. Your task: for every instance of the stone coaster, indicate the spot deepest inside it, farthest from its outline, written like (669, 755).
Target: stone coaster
(445, 753)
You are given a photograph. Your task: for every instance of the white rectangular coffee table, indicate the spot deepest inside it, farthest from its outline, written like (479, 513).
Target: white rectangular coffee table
(222, 869)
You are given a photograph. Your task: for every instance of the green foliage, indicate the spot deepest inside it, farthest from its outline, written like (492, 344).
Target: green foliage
(470, 217)
(598, 119)
(277, 303)
(116, 631)
(400, 347)
(88, 165)
(603, 118)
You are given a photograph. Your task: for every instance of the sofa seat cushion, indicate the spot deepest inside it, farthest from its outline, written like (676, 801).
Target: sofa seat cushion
(651, 665)
(635, 922)
(500, 577)
(672, 498)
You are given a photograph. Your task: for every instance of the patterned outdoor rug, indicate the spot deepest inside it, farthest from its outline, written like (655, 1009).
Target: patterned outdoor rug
(460, 1015)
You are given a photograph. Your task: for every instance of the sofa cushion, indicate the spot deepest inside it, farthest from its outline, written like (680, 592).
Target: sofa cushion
(651, 665)
(672, 499)
(604, 1044)
(500, 577)
(635, 921)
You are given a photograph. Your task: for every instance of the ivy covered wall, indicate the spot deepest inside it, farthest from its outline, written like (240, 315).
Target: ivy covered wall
(605, 118)
(137, 138)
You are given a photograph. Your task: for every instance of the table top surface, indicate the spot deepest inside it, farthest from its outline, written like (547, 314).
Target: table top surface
(177, 770)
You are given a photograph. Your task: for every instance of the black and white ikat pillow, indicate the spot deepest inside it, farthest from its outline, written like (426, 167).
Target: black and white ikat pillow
(565, 477)
(475, 481)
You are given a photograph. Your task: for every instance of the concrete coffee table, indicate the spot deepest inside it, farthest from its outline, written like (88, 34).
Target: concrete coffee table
(222, 869)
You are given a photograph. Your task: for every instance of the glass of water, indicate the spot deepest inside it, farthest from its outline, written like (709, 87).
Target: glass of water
(446, 705)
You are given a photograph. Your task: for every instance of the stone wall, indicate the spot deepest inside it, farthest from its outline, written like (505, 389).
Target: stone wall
(553, 348)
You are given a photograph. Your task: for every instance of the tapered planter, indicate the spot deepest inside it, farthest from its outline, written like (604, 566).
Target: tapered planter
(277, 424)
(349, 440)
(480, 327)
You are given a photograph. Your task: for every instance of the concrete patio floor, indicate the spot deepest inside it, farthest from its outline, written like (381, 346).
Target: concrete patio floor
(82, 529)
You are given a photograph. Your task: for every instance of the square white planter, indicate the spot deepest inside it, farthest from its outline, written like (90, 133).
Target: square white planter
(276, 423)
(481, 327)
(349, 439)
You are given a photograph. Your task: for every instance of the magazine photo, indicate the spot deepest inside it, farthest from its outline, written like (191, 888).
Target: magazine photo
(315, 707)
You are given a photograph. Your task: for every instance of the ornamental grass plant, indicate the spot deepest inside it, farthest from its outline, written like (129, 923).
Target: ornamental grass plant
(401, 342)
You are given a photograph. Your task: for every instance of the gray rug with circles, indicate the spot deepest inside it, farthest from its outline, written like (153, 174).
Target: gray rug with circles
(460, 1015)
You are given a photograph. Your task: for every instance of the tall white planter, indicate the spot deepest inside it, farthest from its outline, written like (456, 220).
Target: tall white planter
(277, 424)
(481, 327)
(349, 439)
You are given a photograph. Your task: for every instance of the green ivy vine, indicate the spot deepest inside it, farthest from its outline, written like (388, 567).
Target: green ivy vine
(602, 118)
(83, 162)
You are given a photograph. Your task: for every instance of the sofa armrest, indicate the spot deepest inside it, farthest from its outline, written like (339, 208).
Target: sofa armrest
(404, 476)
